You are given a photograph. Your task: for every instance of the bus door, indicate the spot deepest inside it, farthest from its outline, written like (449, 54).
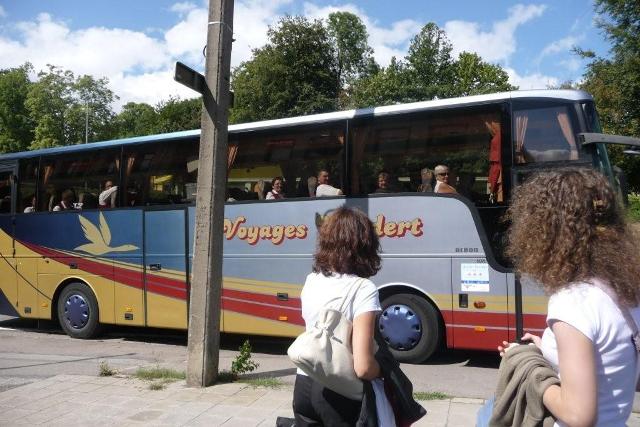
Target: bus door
(165, 260)
(8, 285)
(480, 315)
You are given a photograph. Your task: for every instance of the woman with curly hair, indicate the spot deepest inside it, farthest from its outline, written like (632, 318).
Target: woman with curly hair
(568, 234)
(346, 256)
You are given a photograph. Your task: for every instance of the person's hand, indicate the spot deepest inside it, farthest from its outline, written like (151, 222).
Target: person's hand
(535, 340)
(506, 346)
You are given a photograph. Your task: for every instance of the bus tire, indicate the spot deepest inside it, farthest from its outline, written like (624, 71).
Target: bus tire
(410, 326)
(78, 312)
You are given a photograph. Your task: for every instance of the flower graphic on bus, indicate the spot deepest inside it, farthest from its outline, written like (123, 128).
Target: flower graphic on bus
(100, 238)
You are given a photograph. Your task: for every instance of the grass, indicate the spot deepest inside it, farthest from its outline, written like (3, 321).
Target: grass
(268, 382)
(157, 386)
(431, 395)
(158, 373)
(104, 370)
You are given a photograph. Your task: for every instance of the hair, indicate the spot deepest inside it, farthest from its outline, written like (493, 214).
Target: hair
(277, 178)
(440, 169)
(567, 227)
(68, 195)
(386, 174)
(347, 244)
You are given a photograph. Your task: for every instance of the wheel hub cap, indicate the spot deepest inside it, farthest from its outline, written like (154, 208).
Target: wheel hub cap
(400, 327)
(76, 311)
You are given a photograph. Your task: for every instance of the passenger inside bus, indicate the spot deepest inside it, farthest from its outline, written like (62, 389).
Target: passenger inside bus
(277, 189)
(31, 208)
(324, 188)
(384, 183)
(442, 180)
(426, 178)
(67, 202)
(107, 198)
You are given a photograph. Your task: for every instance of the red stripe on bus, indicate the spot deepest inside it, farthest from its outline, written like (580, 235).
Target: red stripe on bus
(264, 311)
(469, 339)
(459, 317)
(156, 284)
(263, 298)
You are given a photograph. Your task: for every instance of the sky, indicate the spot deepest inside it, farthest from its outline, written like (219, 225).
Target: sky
(135, 43)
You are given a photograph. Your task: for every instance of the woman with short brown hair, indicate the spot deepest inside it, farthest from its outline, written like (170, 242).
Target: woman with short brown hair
(346, 256)
(568, 233)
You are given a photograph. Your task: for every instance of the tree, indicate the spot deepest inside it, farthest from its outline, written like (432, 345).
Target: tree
(473, 76)
(135, 119)
(294, 74)
(16, 126)
(615, 81)
(354, 56)
(59, 106)
(390, 85)
(430, 64)
(91, 110)
(48, 101)
(176, 114)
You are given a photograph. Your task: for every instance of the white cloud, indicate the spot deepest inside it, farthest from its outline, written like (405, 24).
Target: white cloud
(560, 46)
(3, 13)
(183, 7)
(496, 45)
(531, 81)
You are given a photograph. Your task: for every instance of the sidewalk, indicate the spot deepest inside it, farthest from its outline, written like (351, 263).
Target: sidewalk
(114, 401)
(110, 401)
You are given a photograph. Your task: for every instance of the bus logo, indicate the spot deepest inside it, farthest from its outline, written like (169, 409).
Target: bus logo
(100, 238)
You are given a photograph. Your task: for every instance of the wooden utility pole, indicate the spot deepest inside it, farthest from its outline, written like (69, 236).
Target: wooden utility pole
(206, 285)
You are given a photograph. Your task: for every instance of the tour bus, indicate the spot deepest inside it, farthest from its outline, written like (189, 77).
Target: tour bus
(102, 233)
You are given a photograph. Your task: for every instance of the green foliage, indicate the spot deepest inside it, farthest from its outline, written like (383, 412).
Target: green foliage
(16, 126)
(61, 105)
(294, 74)
(615, 81)
(432, 395)
(354, 56)
(135, 119)
(429, 71)
(243, 362)
(267, 382)
(104, 370)
(633, 210)
(473, 76)
(175, 115)
(158, 373)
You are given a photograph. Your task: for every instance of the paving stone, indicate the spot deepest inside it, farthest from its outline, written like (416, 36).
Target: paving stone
(462, 414)
(207, 419)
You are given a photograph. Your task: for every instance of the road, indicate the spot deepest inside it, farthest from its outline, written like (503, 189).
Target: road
(32, 350)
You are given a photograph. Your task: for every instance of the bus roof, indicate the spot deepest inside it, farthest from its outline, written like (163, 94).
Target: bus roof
(569, 95)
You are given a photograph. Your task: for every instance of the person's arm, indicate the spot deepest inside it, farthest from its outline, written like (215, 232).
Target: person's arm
(575, 401)
(364, 362)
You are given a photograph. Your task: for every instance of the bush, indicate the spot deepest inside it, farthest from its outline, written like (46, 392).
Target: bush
(633, 210)
(243, 362)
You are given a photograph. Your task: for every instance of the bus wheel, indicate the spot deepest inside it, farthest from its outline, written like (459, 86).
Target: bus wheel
(78, 311)
(410, 326)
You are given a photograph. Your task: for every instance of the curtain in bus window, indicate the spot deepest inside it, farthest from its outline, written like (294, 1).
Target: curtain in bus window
(565, 125)
(360, 137)
(521, 129)
(495, 160)
(232, 152)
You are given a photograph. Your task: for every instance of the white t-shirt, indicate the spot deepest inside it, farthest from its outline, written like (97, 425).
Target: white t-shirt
(591, 311)
(327, 190)
(320, 291)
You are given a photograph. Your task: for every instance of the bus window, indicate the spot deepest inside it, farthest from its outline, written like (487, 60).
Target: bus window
(464, 145)
(544, 134)
(161, 173)
(79, 176)
(27, 200)
(295, 155)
